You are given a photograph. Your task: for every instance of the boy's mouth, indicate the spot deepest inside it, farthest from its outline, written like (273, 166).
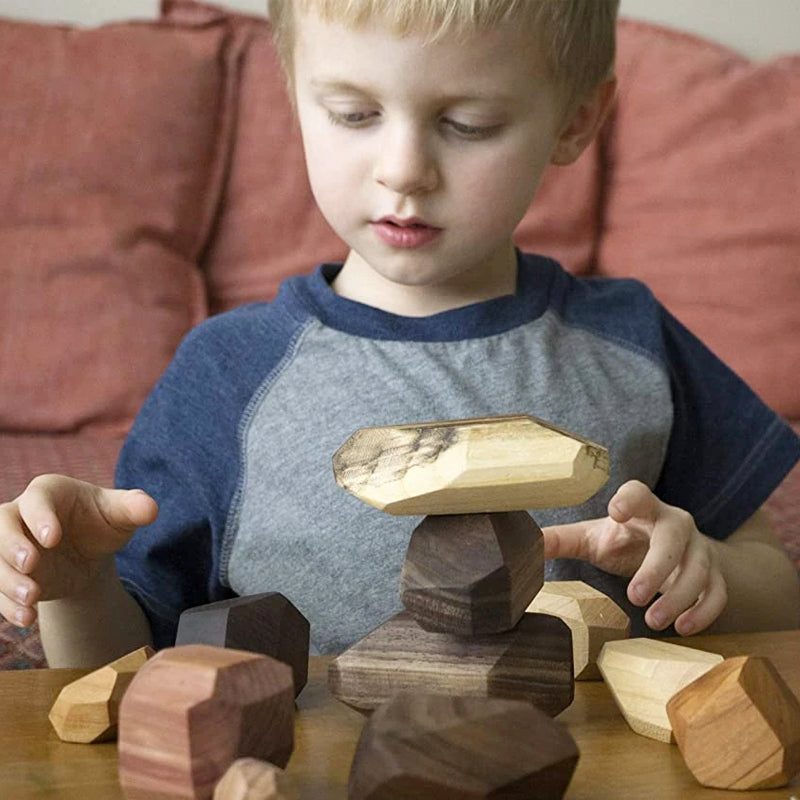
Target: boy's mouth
(406, 233)
(408, 222)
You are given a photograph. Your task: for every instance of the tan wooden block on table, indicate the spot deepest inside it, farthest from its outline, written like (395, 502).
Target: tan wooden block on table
(253, 779)
(593, 617)
(87, 709)
(504, 463)
(431, 747)
(471, 574)
(532, 662)
(643, 674)
(738, 726)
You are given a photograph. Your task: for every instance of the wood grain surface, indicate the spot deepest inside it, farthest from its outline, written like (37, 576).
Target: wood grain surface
(615, 763)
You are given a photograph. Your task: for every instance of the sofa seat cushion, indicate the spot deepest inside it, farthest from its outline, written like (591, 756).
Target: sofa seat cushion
(113, 146)
(702, 197)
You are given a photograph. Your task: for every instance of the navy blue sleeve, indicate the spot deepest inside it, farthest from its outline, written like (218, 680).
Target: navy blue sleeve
(727, 450)
(184, 450)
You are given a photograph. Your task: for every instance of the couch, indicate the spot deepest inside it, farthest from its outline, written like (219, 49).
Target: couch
(151, 175)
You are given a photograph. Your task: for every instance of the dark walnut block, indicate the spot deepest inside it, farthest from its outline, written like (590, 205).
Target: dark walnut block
(471, 574)
(192, 711)
(738, 726)
(532, 662)
(262, 623)
(430, 747)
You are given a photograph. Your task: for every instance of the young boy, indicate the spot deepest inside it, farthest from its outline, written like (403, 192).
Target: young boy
(427, 125)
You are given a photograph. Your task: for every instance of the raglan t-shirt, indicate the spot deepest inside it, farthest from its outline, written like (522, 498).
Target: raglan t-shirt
(236, 441)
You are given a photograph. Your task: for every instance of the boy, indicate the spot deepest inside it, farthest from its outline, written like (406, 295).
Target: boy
(427, 125)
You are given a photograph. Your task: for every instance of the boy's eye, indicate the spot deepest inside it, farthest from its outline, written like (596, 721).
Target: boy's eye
(350, 119)
(471, 131)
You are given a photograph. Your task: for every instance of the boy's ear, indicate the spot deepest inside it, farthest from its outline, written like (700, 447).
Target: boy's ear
(584, 123)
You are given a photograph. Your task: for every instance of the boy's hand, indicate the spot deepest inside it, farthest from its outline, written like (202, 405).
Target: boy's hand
(55, 537)
(659, 547)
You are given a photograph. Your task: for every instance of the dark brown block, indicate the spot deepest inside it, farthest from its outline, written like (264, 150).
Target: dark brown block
(471, 574)
(261, 623)
(430, 747)
(738, 726)
(191, 711)
(532, 662)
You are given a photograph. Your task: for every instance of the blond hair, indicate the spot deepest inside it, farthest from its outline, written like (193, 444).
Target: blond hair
(576, 37)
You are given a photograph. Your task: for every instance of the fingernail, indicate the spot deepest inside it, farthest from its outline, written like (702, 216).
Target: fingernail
(22, 593)
(639, 593)
(657, 619)
(21, 557)
(19, 616)
(44, 534)
(686, 629)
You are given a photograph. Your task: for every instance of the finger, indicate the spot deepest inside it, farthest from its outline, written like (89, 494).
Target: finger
(37, 511)
(633, 499)
(670, 537)
(125, 509)
(567, 541)
(710, 605)
(18, 594)
(17, 615)
(15, 546)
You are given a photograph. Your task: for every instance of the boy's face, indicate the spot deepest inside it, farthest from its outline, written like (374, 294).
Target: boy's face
(423, 156)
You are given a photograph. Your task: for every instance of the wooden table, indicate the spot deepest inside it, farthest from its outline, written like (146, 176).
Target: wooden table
(615, 763)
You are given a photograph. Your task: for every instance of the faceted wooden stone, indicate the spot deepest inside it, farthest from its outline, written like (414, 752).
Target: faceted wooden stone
(738, 726)
(87, 709)
(532, 662)
(471, 574)
(593, 617)
(251, 779)
(470, 466)
(193, 710)
(430, 747)
(263, 623)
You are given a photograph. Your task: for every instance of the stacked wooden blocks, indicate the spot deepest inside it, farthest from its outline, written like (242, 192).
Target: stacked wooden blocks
(474, 565)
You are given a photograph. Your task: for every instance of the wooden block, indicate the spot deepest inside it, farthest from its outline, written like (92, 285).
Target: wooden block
(251, 779)
(470, 466)
(262, 623)
(532, 662)
(593, 617)
(471, 574)
(430, 747)
(87, 709)
(643, 674)
(192, 711)
(738, 726)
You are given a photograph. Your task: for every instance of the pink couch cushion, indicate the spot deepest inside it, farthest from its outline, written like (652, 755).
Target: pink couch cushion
(270, 227)
(113, 144)
(702, 198)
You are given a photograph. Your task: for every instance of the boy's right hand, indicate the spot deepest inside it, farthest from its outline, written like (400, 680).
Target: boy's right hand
(57, 535)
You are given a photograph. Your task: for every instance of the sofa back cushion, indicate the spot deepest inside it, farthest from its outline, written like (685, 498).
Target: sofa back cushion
(269, 226)
(702, 200)
(113, 148)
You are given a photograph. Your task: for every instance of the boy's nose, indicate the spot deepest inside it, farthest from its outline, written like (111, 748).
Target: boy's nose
(404, 163)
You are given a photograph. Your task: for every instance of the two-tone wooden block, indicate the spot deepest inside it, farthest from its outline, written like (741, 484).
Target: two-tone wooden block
(251, 779)
(472, 574)
(738, 726)
(593, 617)
(263, 623)
(531, 662)
(429, 747)
(192, 711)
(87, 709)
(644, 674)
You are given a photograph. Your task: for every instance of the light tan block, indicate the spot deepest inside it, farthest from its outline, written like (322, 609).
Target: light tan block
(87, 709)
(593, 617)
(470, 466)
(738, 726)
(253, 779)
(643, 674)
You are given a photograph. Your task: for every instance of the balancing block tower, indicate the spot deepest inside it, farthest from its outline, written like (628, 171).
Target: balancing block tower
(474, 563)
(192, 711)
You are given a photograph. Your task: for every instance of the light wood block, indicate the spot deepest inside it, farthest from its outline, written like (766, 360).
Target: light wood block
(87, 709)
(593, 617)
(643, 674)
(738, 726)
(251, 779)
(470, 466)
(471, 574)
(266, 623)
(192, 711)
(532, 662)
(430, 747)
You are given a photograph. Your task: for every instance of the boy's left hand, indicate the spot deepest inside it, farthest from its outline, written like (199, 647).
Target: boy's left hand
(659, 547)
